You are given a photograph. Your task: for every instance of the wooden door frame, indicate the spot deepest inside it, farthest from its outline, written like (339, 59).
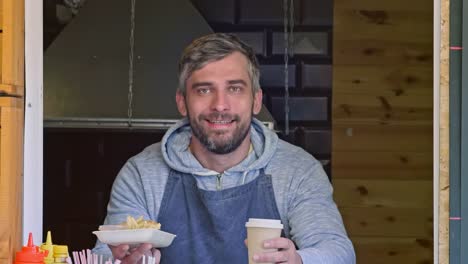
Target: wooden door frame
(439, 256)
(33, 139)
(33, 160)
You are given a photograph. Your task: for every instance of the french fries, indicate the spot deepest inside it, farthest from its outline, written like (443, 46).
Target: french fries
(139, 223)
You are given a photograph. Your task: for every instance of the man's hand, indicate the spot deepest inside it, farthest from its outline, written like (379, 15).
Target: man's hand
(134, 255)
(286, 252)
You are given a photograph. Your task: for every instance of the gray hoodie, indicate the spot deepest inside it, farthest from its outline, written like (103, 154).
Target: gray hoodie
(302, 191)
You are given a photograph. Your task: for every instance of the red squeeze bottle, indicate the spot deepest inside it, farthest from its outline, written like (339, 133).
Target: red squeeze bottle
(30, 254)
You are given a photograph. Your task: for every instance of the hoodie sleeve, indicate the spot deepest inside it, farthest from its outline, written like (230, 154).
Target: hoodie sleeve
(126, 199)
(314, 221)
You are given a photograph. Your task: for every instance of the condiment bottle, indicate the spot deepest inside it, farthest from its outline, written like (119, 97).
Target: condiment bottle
(49, 259)
(60, 254)
(30, 254)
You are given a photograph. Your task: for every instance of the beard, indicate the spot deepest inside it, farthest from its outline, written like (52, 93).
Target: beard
(219, 142)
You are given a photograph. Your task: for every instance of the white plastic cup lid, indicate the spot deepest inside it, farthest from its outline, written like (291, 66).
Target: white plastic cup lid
(265, 223)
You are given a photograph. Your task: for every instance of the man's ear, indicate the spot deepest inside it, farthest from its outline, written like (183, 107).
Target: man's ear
(257, 105)
(180, 100)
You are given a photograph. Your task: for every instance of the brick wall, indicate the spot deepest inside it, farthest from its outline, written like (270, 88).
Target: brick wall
(260, 24)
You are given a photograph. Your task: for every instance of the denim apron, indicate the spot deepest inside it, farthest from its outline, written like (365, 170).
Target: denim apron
(210, 225)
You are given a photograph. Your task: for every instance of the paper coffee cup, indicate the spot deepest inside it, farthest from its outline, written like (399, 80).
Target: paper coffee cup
(259, 230)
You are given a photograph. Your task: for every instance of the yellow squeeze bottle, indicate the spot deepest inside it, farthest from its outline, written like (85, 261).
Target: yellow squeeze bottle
(60, 253)
(49, 258)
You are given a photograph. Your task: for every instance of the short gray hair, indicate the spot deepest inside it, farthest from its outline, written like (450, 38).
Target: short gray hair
(214, 47)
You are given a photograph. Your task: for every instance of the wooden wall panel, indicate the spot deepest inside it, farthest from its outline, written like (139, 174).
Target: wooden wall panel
(382, 142)
(392, 250)
(1, 14)
(389, 222)
(382, 52)
(399, 165)
(381, 24)
(359, 136)
(382, 108)
(3, 202)
(1, 35)
(396, 5)
(444, 130)
(383, 193)
(11, 164)
(11, 127)
(13, 44)
(384, 80)
(1, 52)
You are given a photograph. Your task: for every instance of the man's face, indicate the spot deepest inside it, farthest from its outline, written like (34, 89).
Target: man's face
(219, 103)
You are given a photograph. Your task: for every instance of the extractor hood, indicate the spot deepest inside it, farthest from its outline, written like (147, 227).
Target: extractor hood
(86, 68)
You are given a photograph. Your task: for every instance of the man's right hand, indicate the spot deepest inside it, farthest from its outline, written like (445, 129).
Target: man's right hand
(134, 256)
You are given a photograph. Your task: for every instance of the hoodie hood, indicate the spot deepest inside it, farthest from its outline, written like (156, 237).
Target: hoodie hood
(176, 152)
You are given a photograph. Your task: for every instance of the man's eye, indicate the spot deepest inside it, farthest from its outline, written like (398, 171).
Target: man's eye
(203, 90)
(235, 89)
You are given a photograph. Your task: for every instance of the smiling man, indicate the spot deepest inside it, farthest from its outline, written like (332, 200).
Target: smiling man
(219, 166)
(219, 101)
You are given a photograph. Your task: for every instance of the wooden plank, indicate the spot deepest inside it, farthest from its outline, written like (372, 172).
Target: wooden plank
(10, 89)
(382, 127)
(381, 108)
(364, 137)
(3, 221)
(383, 193)
(351, 24)
(396, 80)
(13, 43)
(395, 5)
(1, 14)
(398, 165)
(1, 50)
(10, 102)
(13, 90)
(12, 126)
(388, 222)
(381, 52)
(392, 250)
(11, 165)
(444, 137)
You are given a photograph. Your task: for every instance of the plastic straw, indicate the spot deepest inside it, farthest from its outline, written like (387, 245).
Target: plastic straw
(86, 256)
(76, 258)
(82, 257)
(89, 258)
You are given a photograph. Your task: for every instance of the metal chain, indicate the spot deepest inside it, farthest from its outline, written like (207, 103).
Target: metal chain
(130, 68)
(286, 73)
(288, 51)
(291, 29)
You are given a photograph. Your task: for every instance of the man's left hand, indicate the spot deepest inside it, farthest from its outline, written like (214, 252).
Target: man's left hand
(286, 252)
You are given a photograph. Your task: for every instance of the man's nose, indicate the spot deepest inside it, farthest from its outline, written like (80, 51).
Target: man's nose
(220, 102)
